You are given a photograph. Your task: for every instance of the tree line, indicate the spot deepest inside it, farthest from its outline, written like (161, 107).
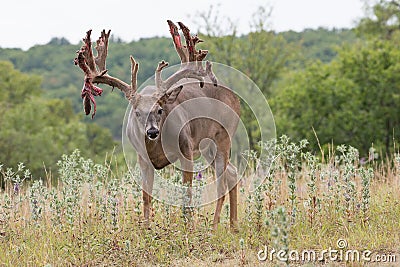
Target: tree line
(61, 79)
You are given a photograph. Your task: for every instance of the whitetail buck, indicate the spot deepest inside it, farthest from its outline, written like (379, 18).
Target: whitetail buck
(148, 125)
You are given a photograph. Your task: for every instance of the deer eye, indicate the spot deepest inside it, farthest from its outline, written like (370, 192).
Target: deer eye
(160, 111)
(137, 114)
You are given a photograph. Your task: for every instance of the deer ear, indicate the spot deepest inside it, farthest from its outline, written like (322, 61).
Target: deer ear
(170, 96)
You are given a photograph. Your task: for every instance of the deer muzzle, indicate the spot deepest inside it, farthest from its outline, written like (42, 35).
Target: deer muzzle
(152, 133)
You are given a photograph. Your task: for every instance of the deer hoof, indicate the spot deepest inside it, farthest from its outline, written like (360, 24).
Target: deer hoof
(146, 224)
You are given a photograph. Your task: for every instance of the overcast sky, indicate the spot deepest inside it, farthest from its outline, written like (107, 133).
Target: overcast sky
(24, 23)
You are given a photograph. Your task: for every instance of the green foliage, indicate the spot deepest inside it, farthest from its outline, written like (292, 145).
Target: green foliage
(37, 130)
(382, 20)
(350, 100)
(320, 44)
(16, 86)
(87, 218)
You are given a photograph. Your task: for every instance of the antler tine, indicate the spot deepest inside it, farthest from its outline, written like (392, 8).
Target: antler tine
(210, 73)
(82, 63)
(176, 38)
(134, 71)
(87, 51)
(190, 45)
(102, 50)
(201, 55)
(196, 39)
(158, 79)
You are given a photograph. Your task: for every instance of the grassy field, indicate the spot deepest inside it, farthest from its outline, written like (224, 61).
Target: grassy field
(93, 216)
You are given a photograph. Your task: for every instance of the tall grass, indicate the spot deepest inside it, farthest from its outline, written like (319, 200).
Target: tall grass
(93, 216)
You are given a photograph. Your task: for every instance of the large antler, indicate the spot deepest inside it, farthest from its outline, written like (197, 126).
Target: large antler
(96, 72)
(191, 60)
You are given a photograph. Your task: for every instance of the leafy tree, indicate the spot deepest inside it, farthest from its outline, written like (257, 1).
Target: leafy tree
(382, 20)
(319, 44)
(37, 130)
(59, 41)
(351, 100)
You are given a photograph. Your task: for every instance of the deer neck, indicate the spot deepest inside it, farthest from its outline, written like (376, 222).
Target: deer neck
(156, 154)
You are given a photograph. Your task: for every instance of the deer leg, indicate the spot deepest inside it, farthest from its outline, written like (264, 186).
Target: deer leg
(220, 166)
(217, 214)
(187, 170)
(187, 182)
(146, 208)
(232, 186)
(147, 172)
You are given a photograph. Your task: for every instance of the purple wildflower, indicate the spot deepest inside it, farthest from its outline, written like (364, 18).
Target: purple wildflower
(199, 176)
(16, 188)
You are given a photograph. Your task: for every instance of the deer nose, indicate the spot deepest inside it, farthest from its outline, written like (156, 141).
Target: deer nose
(152, 133)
